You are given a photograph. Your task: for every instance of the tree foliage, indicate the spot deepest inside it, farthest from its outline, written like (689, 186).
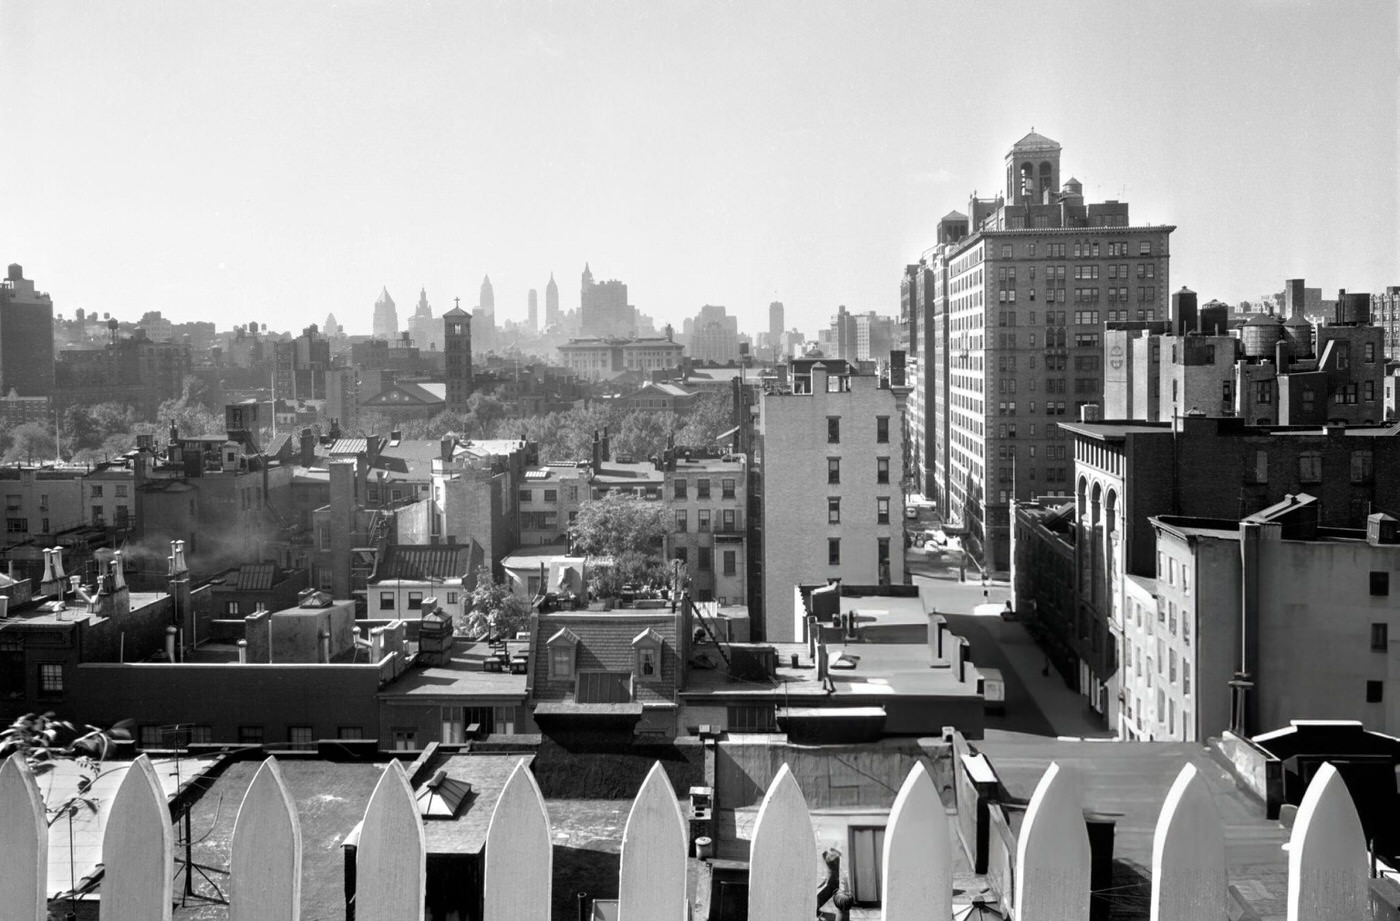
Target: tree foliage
(627, 530)
(32, 442)
(493, 610)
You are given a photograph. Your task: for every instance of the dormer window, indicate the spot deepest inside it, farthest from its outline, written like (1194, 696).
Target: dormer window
(646, 649)
(563, 647)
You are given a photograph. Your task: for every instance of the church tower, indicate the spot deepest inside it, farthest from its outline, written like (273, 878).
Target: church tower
(457, 349)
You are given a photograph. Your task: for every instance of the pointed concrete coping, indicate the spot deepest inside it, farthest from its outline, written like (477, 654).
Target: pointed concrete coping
(1327, 858)
(1188, 853)
(653, 881)
(519, 847)
(918, 862)
(138, 849)
(783, 855)
(265, 866)
(391, 862)
(24, 842)
(1052, 850)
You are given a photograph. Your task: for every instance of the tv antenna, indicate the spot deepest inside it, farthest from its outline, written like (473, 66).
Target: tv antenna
(177, 736)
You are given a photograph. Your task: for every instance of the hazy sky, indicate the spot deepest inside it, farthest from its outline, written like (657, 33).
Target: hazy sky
(236, 161)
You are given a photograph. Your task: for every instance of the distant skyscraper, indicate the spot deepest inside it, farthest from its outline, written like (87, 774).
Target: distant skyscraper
(485, 317)
(386, 317)
(426, 334)
(603, 308)
(26, 337)
(488, 302)
(551, 303)
(714, 336)
(775, 326)
(532, 312)
(332, 328)
(457, 346)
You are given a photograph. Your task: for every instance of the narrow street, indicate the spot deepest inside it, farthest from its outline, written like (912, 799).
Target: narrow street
(1036, 703)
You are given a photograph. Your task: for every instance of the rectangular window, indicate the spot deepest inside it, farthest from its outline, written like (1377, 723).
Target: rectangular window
(833, 430)
(703, 520)
(730, 519)
(16, 525)
(731, 559)
(1380, 637)
(1380, 582)
(702, 489)
(386, 601)
(678, 490)
(349, 733)
(681, 554)
(882, 470)
(1361, 466)
(96, 492)
(882, 510)
(551, 495)
(726, 488)
(882, 430)
(1375, 692)
(405, 738)
(250, 735)
(681, 525)
(50, 679)
(703, 559)
(833, 470)
(833, 511)
(526, 496)
(300, 737)
(833, 551)
(231, 607)
(1310, 467)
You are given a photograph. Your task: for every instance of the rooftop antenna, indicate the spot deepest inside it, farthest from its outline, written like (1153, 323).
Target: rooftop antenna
(185, 864)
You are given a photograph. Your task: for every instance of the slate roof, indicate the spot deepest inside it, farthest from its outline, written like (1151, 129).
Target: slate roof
(422, 562)
(605, 644)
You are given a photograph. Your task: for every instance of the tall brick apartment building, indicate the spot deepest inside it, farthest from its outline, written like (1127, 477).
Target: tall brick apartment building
(1011, 306)
(833, 504)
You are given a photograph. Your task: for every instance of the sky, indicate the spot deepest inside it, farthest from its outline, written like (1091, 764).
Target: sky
(277, 162)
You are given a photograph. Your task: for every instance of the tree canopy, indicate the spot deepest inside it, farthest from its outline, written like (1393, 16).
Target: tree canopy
(629, 531)
(493, 609)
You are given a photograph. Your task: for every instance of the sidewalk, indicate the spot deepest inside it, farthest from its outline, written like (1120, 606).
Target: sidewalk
(1067, 712)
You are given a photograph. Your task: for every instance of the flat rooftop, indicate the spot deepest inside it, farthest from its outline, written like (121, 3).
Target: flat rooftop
(1128, 782)
(75, 612)
(465, 675)
(882, 670)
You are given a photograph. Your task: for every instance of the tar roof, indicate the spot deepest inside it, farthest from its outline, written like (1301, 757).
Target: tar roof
(1129, 781)
(464, 676)
(61, 782)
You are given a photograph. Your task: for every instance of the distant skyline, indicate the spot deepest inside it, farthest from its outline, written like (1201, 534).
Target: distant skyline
(276, 162)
